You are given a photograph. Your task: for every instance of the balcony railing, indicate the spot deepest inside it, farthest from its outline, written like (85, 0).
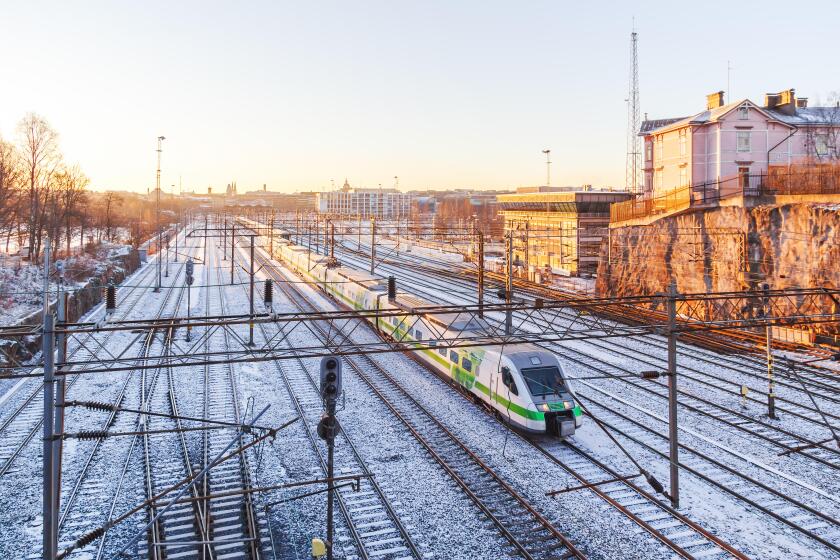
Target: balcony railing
(795, 180)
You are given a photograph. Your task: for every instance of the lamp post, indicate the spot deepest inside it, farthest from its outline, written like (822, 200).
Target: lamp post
(160, 140)
(547, 153)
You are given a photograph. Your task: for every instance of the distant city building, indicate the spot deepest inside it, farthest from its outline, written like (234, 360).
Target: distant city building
(728, 145)
(559, 227)
(282, 202)
(380, 203)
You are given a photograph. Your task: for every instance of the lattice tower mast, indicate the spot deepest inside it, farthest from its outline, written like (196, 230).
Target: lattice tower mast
(634, 147)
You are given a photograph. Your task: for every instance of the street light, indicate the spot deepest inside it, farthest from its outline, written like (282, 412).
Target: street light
(547, 153)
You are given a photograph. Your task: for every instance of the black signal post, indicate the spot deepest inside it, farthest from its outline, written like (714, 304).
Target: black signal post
(327, 429)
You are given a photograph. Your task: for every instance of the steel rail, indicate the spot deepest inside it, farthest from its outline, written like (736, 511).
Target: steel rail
(504, 526)
(356, 455)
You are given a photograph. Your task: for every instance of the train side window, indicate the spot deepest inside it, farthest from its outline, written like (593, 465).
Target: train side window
(432, 343)
(453, 355)
(508, 381)
(467, 365)
(418, 334)
(442, 351)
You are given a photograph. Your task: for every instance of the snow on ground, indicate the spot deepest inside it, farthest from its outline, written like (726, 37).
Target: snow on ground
(796, 476)
(22, 284)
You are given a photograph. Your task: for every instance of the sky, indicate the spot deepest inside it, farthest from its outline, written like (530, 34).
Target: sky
(442, 94)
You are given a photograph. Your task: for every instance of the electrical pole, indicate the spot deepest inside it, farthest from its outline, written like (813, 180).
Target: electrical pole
(271, 236)
(232, 249)
(205, 239)
(224, 241)
(480, 273)
(50, 528)
(509, 284)
(157, 212)
(251, 313)
(768, 332)
(672, 395)
(167, 254)
(359, 247)
(372, 244)
(332, 241)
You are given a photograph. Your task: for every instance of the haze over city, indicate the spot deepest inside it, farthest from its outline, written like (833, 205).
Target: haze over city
(442, 94)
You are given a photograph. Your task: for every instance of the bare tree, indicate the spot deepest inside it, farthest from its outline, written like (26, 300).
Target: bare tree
(10, 182)
(40, 158)
(70, 186)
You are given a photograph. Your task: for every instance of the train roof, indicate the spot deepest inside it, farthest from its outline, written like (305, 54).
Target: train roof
(450, 321)
(362, 278)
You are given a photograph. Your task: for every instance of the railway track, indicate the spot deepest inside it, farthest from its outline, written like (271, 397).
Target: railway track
(239, 530)
(527, 532)
(803, 518)
(375, 526)
(784, 439)
(20, 427)
(90, 489)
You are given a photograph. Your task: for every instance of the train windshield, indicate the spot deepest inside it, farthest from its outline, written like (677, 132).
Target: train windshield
(544, 381)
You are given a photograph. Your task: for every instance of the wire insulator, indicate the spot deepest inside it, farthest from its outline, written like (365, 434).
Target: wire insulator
(655, 484)
(99, 406)
(110, 298)
(90, 434)
(268, 292)
(90, 537)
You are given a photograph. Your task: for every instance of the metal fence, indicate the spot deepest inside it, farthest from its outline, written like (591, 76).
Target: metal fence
(805, 180)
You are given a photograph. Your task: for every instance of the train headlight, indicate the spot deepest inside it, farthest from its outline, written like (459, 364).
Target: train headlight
(568, 405)
(544, 407)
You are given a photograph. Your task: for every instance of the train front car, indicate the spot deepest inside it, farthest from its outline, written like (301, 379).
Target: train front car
(536, 379)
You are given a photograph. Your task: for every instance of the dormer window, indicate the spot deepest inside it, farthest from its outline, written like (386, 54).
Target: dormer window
(743, 112)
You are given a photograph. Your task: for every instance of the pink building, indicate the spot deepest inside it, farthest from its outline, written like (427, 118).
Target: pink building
(730, 147)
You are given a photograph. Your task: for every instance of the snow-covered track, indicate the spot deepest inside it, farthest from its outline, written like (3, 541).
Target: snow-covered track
(375, 526)
(737, 481)
(19, 427)
(84, 501)
(527, 531)
(238, 529)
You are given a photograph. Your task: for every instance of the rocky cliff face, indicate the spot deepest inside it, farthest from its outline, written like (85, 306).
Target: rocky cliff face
(727, 249)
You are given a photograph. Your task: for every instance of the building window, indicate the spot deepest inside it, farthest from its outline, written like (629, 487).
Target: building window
(743, 137)
(683, 142)
(821, 144)
(659, 149)
(744, 113)
(683, 176)
(649, 150)
(657, 180)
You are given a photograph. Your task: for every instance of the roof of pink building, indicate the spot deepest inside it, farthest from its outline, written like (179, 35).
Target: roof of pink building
(803, 116)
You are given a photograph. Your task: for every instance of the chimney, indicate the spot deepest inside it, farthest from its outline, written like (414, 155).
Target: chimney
(787, 102)
(801, 102)
(771, 100)
(714, 100)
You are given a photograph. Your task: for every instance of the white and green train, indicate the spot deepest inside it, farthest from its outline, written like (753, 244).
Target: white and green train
(523, 383)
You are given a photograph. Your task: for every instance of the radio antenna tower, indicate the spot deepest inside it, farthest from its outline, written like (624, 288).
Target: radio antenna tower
(634, 151)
